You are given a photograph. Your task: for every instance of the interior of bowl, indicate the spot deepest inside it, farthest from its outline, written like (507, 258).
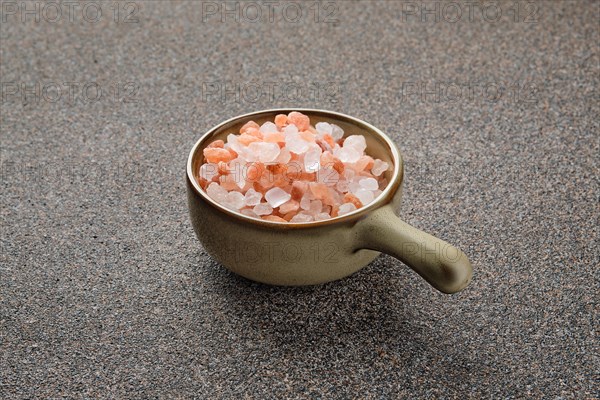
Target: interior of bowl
(378, 146)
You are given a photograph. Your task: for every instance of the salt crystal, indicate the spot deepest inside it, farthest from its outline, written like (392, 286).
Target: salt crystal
(265, 152)
(209, 171)
(236, 199)
(316, 206)
(328, 176)
(249, 213)
(324, 127)
(277, 196)
(291, 129)
(369, 183)
(312, 160)
(357, 142)
(305, 201)
(268, 127)
(289, 206)
(302, 217)
(216, 192)
(336, 132)
(322, 216)
(379, 167)
(295, 143)
(263, 209)
(252, 197)
(342, 186)
(284, 156)
(347, 154)
(377, 192)
(365, 196)
(346, 208)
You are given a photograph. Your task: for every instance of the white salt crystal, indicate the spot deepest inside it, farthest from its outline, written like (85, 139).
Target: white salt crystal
(263, 209)
(336, 132)
(347, 154)
(346, 208)
(365, 196)
(250, 213)
(252, 197)
(277, 196)
(322, 216)
(354, 187)
(264, 152)
(349, 174)
(236, 199)
(324, 127)
(209, 171)
(295, 143)
(312, 160)
(284, 156)
(369, 183)
(302, 217)
(291, 129)
(216, 192)
(268, 127)
(379, 167)
(357, 142)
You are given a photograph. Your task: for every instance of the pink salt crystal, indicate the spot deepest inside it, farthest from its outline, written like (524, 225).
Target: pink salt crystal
(215, 154)
(300, 120)
(298, 190)
(281, 120)
(346, 208)
(316, 206)
(276, 197)
(263, 209)
(289, 206)
(248, 125)
(319, 190)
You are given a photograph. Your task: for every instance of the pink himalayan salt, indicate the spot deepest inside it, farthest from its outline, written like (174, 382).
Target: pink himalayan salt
(289, 171)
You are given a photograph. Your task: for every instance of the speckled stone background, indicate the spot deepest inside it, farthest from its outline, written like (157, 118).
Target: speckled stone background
(106, 293)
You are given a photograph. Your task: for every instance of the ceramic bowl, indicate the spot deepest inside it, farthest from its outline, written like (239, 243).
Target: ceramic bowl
(311, 253)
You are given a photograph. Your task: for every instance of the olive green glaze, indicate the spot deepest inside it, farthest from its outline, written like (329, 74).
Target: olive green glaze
(317, 252)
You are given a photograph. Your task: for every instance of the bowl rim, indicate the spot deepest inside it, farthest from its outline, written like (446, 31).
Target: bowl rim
(384, 197)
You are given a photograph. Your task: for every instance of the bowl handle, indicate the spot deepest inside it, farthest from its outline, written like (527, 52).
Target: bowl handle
(444, 266)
